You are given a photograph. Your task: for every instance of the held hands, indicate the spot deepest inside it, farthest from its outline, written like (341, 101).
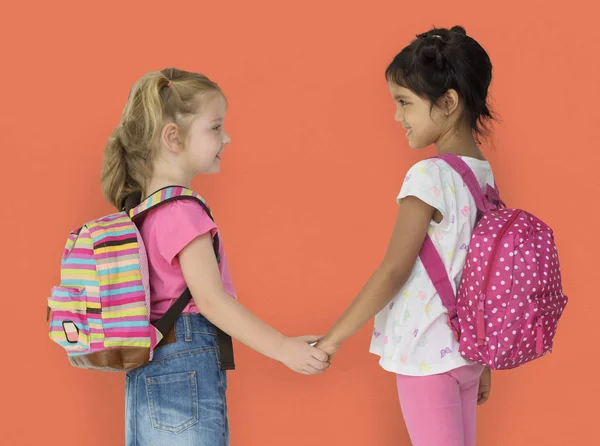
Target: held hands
(327, 347)
(301, 356)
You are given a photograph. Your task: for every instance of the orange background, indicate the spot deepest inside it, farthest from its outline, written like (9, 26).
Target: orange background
(305, 201)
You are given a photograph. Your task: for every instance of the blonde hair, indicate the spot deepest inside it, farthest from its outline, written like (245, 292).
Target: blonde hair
(159, 97)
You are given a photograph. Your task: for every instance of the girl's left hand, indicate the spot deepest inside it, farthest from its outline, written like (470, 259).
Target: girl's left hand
(485, 386)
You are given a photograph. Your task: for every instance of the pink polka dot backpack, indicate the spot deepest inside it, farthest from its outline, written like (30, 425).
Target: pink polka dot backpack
(510, 296)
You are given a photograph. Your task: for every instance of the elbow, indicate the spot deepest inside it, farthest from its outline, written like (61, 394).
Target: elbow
(203, 303)
(396, 276)
(209, 303)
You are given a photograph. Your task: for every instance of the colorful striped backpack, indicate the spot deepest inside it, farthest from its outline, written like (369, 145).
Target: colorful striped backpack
(100, 312)
(510, 297)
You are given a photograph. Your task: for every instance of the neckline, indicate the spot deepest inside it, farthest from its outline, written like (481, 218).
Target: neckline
(476, 160)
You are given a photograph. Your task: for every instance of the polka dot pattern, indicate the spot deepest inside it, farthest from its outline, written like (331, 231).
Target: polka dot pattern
(510, 298)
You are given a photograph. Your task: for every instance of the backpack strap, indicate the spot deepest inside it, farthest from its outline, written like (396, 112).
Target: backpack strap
(433, 263)
(167, 321)
(468, 177)
(484, 201)
(166, 195)
(437, 273)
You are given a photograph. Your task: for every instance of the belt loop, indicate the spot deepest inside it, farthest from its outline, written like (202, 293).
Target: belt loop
(187, 327)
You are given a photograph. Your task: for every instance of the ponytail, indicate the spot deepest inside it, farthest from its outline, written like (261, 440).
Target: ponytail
(116, 181)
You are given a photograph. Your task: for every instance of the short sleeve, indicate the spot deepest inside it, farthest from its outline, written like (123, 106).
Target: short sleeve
(424, 181)
(178, 223)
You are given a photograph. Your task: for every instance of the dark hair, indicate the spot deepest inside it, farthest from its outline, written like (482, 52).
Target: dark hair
(440, 60)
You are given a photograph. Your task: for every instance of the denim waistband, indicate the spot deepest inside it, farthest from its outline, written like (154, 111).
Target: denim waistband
(188, 323)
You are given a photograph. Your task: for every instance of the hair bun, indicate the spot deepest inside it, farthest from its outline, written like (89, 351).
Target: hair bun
(459, 30)
(432, 51)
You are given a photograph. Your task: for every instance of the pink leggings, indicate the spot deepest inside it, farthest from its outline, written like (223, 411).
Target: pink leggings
(439, 410)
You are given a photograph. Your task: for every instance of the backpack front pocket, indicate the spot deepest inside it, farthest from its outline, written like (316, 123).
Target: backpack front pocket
(69, 325)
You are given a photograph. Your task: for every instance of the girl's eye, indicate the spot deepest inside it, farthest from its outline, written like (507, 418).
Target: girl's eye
(402, 102)
(217, 128)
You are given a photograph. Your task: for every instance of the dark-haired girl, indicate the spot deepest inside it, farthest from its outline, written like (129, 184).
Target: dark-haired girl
(440, 86)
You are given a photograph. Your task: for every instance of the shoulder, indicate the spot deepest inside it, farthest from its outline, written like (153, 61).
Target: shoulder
(186, 209)
(183, 216)
(173, 225)
(429, 171)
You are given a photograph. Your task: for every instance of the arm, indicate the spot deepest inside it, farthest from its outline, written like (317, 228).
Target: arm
(201, 274)
(409, 232)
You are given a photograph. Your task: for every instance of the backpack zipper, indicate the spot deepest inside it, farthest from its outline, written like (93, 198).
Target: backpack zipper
(539, 338)
(482, 296)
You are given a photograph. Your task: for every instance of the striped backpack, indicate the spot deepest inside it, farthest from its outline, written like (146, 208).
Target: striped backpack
(100, 312)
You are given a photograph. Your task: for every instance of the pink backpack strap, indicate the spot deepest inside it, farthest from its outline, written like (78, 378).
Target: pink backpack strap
(484, 201)
(437, 273)
(468, 177)
(431, 259)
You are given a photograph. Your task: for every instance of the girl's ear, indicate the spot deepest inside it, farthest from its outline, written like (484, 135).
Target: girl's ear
(170, 138)
(449, 102)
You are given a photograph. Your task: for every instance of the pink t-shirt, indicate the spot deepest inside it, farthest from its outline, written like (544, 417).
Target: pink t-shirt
(166, 230)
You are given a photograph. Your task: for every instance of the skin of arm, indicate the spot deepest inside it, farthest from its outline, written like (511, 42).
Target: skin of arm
(201, 274)
(412, 223)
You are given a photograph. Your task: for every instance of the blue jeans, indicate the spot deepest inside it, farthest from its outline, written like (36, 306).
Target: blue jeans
(179, 397)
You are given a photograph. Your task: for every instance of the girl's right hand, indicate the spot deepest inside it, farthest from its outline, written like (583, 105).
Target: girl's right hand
(301, 357)
(485, 386)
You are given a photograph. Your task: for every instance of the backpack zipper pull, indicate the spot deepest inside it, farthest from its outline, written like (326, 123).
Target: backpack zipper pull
(480, 320)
